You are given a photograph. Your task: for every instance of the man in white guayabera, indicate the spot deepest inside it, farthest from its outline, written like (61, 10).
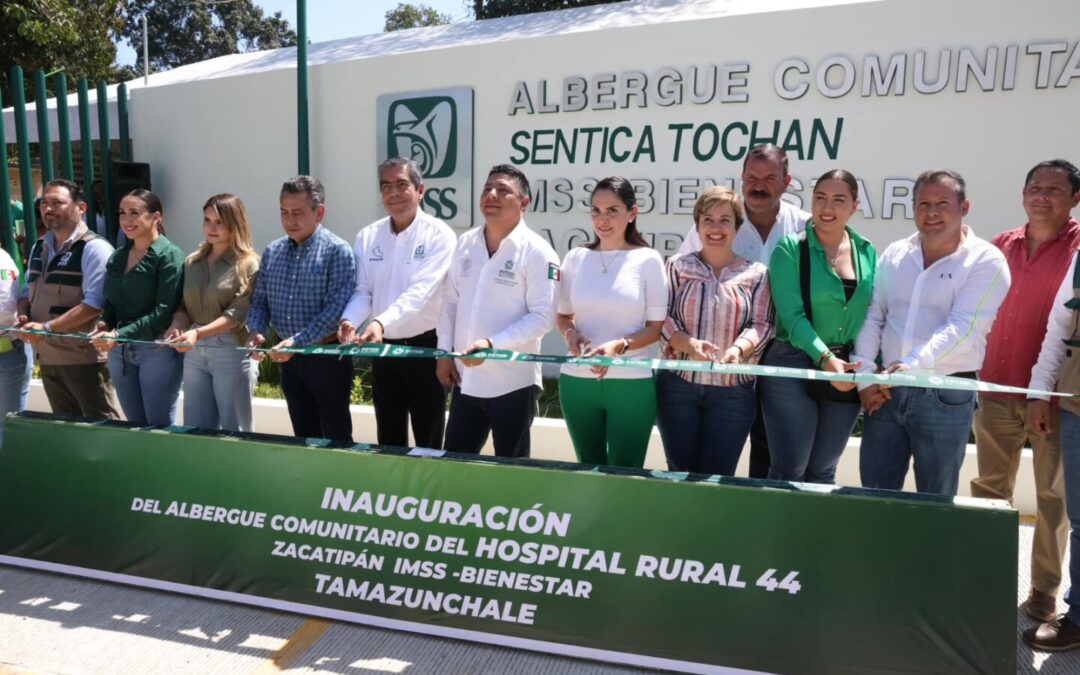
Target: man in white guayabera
(401, 263)
(500, 294)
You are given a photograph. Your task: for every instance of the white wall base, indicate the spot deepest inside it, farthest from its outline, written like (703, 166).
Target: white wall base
(550, 441)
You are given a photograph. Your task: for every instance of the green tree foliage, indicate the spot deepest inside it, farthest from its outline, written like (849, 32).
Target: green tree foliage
(407, 15)
(187, 31)
(492, 9)
(76, 35)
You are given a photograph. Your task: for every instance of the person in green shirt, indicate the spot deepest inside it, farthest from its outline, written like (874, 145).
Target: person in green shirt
(809, 423)
(143, 284)
(17, 216)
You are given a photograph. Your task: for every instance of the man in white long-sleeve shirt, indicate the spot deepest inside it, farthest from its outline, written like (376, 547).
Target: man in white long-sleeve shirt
(935, 297)
(401, 264)
(500, 293)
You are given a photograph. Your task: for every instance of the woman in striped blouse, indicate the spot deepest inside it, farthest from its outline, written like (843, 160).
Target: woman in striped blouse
(719, 309)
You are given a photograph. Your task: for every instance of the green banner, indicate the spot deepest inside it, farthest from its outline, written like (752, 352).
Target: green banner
(691, 573)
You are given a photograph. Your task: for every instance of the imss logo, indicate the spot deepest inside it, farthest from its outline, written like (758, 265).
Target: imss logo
(435, 129)
(425, 130)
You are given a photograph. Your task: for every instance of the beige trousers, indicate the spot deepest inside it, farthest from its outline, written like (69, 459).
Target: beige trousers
(1000, 431)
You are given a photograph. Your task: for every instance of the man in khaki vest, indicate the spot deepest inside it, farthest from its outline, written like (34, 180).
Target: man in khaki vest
(64, 293)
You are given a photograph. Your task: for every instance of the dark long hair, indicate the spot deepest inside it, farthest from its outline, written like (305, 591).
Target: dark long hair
(152, 203)
(624, 190)
(844, 177)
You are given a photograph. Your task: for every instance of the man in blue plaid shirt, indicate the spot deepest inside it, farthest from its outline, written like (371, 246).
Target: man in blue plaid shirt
(305, 279)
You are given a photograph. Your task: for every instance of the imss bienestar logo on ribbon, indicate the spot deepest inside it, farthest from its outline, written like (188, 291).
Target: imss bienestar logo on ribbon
(434, 128)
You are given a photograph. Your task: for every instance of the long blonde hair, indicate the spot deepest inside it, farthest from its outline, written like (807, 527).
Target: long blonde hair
(234, 217)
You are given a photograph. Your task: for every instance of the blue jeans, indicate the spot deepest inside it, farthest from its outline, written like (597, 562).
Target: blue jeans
(1070, 460)
(806, 436)
(703, 427)
(219, 381)
(147, 379)
(15, 369)
(930, 425)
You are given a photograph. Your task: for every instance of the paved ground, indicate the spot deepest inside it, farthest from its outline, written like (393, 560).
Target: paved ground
(58, 624)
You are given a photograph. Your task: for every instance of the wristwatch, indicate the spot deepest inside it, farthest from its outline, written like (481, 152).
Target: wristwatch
(47, 326)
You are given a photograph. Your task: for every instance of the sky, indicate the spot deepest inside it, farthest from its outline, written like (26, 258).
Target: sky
(336, 19)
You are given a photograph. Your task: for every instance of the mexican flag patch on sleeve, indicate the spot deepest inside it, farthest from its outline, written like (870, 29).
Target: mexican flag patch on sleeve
(13, 275)
(553, 272)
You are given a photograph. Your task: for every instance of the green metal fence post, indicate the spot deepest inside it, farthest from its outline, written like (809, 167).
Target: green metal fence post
(302, 88)
(122, 119)
(7, 228)
(26, 177)
(86, 142)
(41, 102)
(105, 143)
(67, 167)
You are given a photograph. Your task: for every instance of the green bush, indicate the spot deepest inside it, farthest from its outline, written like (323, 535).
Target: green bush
(269, 383)
(269, 386)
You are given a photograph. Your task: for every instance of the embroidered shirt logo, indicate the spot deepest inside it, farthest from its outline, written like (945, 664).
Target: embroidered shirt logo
(376, 254)
(418, 254)
(507, 275)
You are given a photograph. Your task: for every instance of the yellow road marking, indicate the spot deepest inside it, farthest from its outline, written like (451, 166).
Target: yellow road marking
(295, 647)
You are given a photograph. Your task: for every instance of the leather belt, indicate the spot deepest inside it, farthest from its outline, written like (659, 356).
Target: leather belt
(422, 340)
(967, 375)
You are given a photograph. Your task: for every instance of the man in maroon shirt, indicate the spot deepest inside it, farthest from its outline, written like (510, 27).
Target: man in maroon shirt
(1038, 255)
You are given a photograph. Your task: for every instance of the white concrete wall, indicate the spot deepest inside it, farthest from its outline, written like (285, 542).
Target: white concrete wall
(550, 441)
(238, 133)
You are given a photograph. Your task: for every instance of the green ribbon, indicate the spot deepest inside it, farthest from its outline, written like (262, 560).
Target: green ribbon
(392, 351)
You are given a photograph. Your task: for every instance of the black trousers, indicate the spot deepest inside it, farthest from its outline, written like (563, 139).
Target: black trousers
(759, 442)
(508, 418)
(407, 390)
(759, 445)
(317, 390)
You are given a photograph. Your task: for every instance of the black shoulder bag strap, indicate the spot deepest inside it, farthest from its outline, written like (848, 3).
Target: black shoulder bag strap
(804, 275)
